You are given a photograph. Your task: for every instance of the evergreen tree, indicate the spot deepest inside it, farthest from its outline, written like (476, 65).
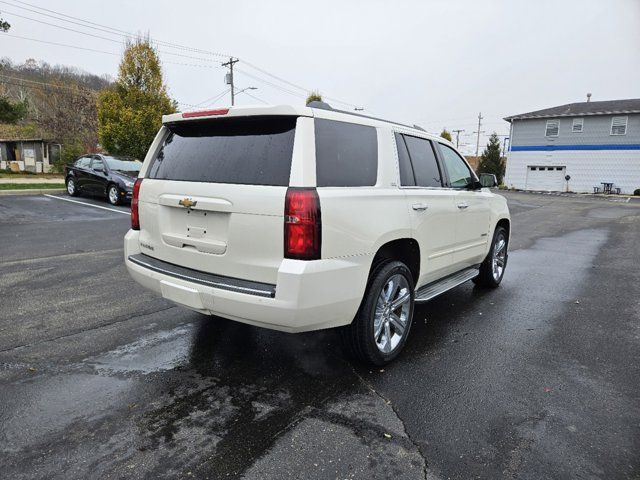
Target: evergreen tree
(490, 160)
(130, 113)
(446, 134)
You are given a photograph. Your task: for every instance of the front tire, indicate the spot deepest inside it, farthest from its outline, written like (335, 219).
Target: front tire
(381, 326)
(72, 188)
(493, 267)
(113, 195)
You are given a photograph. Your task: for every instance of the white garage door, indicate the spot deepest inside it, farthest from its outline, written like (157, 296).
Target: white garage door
(549, 179)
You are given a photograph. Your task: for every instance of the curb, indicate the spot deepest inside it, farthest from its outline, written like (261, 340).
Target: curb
(38, 191)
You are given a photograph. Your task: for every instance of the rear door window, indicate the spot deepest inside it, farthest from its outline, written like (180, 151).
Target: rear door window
(423, 161)
(249, 151)
(97, 164)
(407, 178)
(83, 162)
(346, 154)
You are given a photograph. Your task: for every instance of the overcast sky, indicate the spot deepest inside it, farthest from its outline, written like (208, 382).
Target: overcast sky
(435, 63)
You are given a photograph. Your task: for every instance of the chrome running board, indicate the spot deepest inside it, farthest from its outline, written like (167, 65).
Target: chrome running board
(434, 289)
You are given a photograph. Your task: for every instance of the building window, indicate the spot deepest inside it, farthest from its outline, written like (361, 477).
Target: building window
(553, 126)
(578, 124)
(619, 125)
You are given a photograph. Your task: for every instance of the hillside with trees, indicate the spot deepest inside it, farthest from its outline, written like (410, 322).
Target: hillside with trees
(54, 102)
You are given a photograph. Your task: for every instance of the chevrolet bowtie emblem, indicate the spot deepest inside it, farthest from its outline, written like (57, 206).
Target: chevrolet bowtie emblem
(187, 202)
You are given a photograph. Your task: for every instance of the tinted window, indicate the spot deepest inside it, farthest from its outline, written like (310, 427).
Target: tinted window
(251, 151)
(459, 174)
(346, 154)
(423, 159)
(407, 178)
(83, 162)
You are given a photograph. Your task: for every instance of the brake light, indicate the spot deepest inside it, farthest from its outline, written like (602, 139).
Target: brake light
(205, 113)
(135, 217)
(302, 224)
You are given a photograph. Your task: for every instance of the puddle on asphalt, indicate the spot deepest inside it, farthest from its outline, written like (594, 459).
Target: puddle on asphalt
(33, 409)
(156, 352)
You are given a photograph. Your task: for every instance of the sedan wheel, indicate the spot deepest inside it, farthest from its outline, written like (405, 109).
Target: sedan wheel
(113, 195)
(71, 187)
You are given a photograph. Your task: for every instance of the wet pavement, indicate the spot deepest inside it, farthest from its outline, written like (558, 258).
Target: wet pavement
(537, 379)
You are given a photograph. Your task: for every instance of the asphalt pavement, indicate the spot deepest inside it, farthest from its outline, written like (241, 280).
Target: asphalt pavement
(539, 379)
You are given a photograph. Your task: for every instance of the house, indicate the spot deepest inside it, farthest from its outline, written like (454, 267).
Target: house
(588, 142)
(23, 149)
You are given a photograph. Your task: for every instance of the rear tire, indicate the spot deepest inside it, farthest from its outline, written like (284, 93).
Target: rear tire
(72, 188)
(493, 267)
(381, 327)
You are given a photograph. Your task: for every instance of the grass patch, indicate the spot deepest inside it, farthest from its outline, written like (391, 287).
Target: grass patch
(30, 186)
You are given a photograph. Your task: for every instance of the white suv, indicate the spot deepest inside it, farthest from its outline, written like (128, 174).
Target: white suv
(304, 218)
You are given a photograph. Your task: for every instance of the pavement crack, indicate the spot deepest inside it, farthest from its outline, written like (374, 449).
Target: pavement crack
(388, 402)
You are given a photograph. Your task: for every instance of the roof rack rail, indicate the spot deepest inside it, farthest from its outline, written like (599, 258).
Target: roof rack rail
(319, 104)
(326, 106)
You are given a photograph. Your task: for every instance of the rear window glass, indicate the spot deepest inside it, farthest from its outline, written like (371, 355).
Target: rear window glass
(250, 151)
(423, 159)
(346, 154)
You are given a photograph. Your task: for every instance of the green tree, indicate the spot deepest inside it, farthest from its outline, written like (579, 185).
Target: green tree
(314, 96)
(4, 25)
(130, 113)
(491, 161)
(445, 134)
(12, 112)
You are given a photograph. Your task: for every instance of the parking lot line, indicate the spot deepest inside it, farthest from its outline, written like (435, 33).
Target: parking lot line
(87, 204)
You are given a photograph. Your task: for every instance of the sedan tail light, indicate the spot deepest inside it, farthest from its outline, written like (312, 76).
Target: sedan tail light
(302, 224)
(135, 217)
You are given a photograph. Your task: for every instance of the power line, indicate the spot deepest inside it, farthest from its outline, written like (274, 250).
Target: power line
(213, 99)
(119, 42)
(102, 51)
(124, 33)
(104, 28)
(255, 98)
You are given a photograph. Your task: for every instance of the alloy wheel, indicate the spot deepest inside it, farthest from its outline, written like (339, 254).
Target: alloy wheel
(391, 315)
(113, 195)
(71, 187)
(499, 258)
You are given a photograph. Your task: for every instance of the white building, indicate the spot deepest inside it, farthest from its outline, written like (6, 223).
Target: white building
(591, 142)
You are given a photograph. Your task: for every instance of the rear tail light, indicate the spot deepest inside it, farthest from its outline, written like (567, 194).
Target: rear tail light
(302, 224)
(135, 217)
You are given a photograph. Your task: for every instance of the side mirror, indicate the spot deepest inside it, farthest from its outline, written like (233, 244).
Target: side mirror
(474, 185)
(488, 180)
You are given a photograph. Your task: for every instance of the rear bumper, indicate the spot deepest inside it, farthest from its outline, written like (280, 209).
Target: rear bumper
(308, 295)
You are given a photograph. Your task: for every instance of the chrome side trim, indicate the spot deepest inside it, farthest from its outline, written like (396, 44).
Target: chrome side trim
(203, 278)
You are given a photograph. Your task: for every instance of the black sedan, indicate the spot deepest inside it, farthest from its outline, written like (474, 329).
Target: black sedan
(103, 175)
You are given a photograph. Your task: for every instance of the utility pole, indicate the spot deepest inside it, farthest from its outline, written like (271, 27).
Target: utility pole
(229, 77)
(457, 132)
(479, 132)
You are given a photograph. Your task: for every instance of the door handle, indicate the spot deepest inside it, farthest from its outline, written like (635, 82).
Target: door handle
(420, 206)
(463, 205)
